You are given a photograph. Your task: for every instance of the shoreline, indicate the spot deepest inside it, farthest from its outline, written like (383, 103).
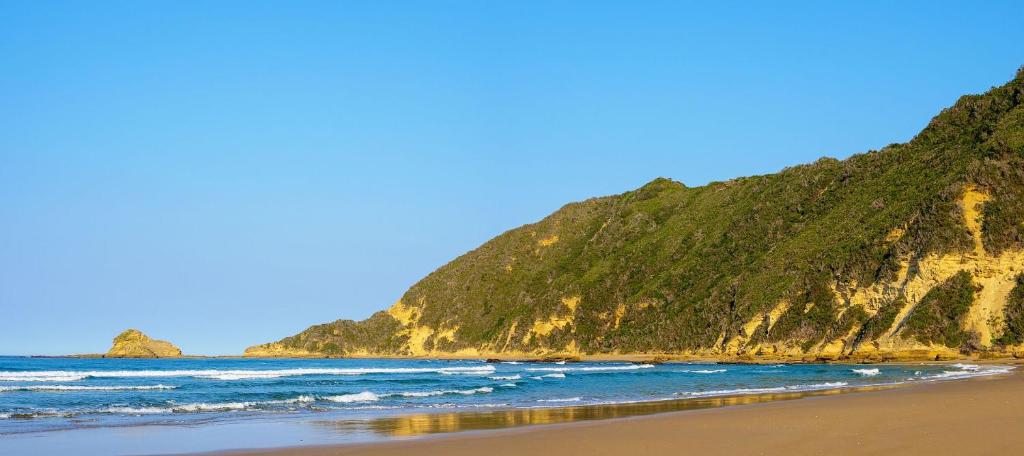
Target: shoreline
(659, 358)
(906, 419)
(262, 431)
(873, 357)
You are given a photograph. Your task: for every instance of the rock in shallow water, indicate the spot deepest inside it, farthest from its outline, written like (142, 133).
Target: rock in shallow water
(134, 344)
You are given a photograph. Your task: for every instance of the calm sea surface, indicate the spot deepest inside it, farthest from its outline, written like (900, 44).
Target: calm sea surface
(105, 406)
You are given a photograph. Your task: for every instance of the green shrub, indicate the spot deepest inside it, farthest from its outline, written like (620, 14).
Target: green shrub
(939, 317)
(1013, 316)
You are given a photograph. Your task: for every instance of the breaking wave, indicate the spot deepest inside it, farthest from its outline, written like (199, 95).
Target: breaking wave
(555, 375)
(70, 376)
(174, 390)
(967, 371)
(506, 377)
(778, 389)
(84, 388)
(866, 372)
(485, 389)
(367, 396)
(590, 368)
(706, 371)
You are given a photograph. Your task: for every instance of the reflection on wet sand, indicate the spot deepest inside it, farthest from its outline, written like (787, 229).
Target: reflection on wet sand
(434, 423)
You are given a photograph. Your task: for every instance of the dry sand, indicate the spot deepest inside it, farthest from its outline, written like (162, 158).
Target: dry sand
(976, 416)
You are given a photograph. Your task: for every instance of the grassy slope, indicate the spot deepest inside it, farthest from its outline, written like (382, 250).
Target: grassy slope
(680, 267)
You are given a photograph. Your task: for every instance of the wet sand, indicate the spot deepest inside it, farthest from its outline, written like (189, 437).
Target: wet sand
(976, 416)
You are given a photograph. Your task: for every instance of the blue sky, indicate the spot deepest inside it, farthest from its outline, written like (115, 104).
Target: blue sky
(226, 173)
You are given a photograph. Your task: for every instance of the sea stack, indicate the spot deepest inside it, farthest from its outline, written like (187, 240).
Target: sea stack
(134, 344)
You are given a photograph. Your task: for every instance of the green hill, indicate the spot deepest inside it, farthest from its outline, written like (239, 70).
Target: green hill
(912, 251)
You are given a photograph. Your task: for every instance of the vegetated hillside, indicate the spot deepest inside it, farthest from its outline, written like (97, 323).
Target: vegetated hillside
(912, 251)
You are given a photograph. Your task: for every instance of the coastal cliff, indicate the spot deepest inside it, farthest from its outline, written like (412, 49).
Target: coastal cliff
(134, 344)
(915, 251)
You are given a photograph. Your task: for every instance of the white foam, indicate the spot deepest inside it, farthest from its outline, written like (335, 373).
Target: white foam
(555, 375)
(567, 399)
(39, 377)
(219, 407)
(67, 376)
(186, 408)
(867, 372)
(482, 370)
(825, 385)
(84, 388)
(485, 389)
(303, 399)
(205, 407)
(365, 396)
(38, 413)
(590, 368)
(968, 371)
(199, 407)
(135, 410)
(777, 389)
(706, 371)
(509, 385)
(511, 362)
(730, 392)
(242, 376)
(506, 377)
(947, 375)
(421, 393)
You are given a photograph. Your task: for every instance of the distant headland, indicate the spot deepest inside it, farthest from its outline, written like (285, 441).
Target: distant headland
(132, 343)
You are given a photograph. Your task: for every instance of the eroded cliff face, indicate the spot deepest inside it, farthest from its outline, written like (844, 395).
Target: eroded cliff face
(424, 341)
(912, 252)
(995, 276)
(134, 344)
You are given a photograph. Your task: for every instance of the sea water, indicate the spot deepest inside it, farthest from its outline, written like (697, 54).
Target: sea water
(42, 397)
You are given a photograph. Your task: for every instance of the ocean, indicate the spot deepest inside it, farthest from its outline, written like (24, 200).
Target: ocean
(48, 402)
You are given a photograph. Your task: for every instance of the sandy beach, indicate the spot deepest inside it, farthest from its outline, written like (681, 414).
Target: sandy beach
(975, 416)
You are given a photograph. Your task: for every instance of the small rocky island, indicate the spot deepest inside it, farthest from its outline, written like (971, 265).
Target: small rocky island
(134, 344)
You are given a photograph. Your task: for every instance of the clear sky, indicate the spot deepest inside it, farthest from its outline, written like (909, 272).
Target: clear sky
(227, 173)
